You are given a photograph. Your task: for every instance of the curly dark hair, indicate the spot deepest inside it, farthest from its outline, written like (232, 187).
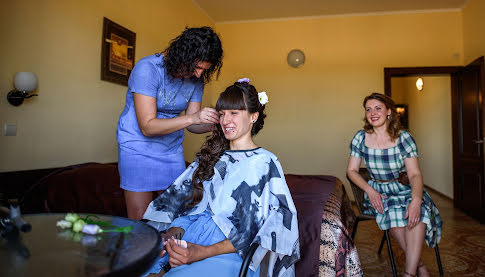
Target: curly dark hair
(240, 96)
(393, 123)
(192, 46)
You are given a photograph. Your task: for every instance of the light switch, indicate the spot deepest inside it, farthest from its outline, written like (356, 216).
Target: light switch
(10, 129)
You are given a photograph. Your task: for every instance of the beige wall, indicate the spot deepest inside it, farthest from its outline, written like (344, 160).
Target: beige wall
(314, 111)
(73, 120)
(473, 30)
(430, 124)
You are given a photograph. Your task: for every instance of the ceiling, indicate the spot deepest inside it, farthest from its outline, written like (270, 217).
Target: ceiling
(224, 11)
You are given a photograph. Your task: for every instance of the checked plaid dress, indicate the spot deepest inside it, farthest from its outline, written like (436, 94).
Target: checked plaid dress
(386, 164)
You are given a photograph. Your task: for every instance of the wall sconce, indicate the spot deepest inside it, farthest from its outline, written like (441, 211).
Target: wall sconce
(419, 84)
(24, 82)
(296, 58)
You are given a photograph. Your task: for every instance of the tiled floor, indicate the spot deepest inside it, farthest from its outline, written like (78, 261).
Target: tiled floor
(462, 246)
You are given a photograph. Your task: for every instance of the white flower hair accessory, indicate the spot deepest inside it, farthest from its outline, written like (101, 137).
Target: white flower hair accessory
(244, 80)
(263, 98)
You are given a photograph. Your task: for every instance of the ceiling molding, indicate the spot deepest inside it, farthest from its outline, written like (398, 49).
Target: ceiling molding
(338, 16)
(203, 11)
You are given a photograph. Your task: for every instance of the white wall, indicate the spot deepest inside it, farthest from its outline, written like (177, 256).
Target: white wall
(429, 114)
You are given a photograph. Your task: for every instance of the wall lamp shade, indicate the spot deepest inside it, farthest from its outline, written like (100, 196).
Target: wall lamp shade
(24, 82)
(296, 58)
(419, 84)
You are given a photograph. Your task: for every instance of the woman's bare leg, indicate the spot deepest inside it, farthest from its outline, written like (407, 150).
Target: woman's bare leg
(137, 203)
(399, 234)
(414, 246)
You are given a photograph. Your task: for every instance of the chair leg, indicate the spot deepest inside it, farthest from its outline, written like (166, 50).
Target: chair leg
(355, 228)
(438, 259)
(382, 243)
(391, 256)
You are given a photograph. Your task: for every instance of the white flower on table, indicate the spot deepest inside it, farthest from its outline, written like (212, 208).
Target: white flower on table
(71, 217)
(91, 229)
(78, 225)
(64, 224)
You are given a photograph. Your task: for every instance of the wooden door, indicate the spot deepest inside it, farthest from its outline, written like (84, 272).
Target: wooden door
(468, 146)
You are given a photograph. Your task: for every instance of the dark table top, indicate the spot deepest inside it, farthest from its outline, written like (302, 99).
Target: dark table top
(48, 250)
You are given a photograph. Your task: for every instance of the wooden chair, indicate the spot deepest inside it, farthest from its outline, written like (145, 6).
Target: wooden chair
(359, 200)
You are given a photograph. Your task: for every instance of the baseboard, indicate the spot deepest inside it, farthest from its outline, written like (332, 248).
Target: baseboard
(437, 192)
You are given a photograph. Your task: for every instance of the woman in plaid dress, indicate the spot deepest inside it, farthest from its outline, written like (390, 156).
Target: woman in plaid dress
(406, 209)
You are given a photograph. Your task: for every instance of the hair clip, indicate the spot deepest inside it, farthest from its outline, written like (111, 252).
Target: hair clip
(244, 80)
(263, 98)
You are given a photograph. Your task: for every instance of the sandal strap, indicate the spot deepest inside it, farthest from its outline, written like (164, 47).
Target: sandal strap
(412, 275)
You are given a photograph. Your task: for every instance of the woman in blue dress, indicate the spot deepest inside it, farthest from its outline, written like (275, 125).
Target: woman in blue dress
(232, 195)
(402, 206)
(150, 129)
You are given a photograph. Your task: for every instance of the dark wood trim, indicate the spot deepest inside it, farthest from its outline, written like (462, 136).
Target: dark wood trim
(390, 72)
(481, 63)
(455, 86)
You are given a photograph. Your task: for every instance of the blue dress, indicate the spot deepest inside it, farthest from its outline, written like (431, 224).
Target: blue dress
(153, 163)
(201, 229)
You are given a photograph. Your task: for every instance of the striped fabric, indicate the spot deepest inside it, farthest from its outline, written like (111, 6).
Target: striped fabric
(386, 164)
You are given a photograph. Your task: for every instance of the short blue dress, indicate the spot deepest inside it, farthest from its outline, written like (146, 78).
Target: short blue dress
(153, 163)
(386, 164)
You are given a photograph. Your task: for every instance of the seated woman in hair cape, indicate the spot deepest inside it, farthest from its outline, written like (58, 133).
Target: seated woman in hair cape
(234, 194)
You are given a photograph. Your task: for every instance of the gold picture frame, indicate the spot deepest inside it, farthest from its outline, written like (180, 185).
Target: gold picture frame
(117, 53)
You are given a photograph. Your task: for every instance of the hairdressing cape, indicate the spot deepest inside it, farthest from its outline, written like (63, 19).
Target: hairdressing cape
(249, 201)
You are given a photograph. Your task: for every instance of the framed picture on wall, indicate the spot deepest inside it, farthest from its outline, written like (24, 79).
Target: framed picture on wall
(117, 53)
(402, 110)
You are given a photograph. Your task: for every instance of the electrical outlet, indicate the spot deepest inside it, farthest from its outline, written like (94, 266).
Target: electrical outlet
(10, 130)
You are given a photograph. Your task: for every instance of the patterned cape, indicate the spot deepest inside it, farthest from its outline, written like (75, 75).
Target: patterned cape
(249, 201)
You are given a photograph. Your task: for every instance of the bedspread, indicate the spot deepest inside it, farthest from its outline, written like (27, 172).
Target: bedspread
(324, 217)
(338, 255)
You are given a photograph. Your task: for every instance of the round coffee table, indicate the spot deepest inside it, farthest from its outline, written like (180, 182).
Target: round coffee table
(48, 250)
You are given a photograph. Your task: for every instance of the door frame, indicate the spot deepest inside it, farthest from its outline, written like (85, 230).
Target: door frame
(390, 72)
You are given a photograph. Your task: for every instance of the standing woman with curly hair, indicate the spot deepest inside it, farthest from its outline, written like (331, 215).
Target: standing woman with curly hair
(150, 129)
(395, 193)
(234, 194)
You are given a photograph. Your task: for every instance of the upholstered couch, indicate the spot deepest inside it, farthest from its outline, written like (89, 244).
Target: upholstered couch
(94, 188)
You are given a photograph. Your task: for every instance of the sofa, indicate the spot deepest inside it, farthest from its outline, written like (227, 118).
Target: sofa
(94, 188)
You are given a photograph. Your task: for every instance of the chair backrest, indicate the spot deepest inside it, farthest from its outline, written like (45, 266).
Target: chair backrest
(357, 191)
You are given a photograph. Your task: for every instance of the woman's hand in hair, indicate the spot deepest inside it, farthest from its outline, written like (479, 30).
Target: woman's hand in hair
(206, 115)
(201, 116)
